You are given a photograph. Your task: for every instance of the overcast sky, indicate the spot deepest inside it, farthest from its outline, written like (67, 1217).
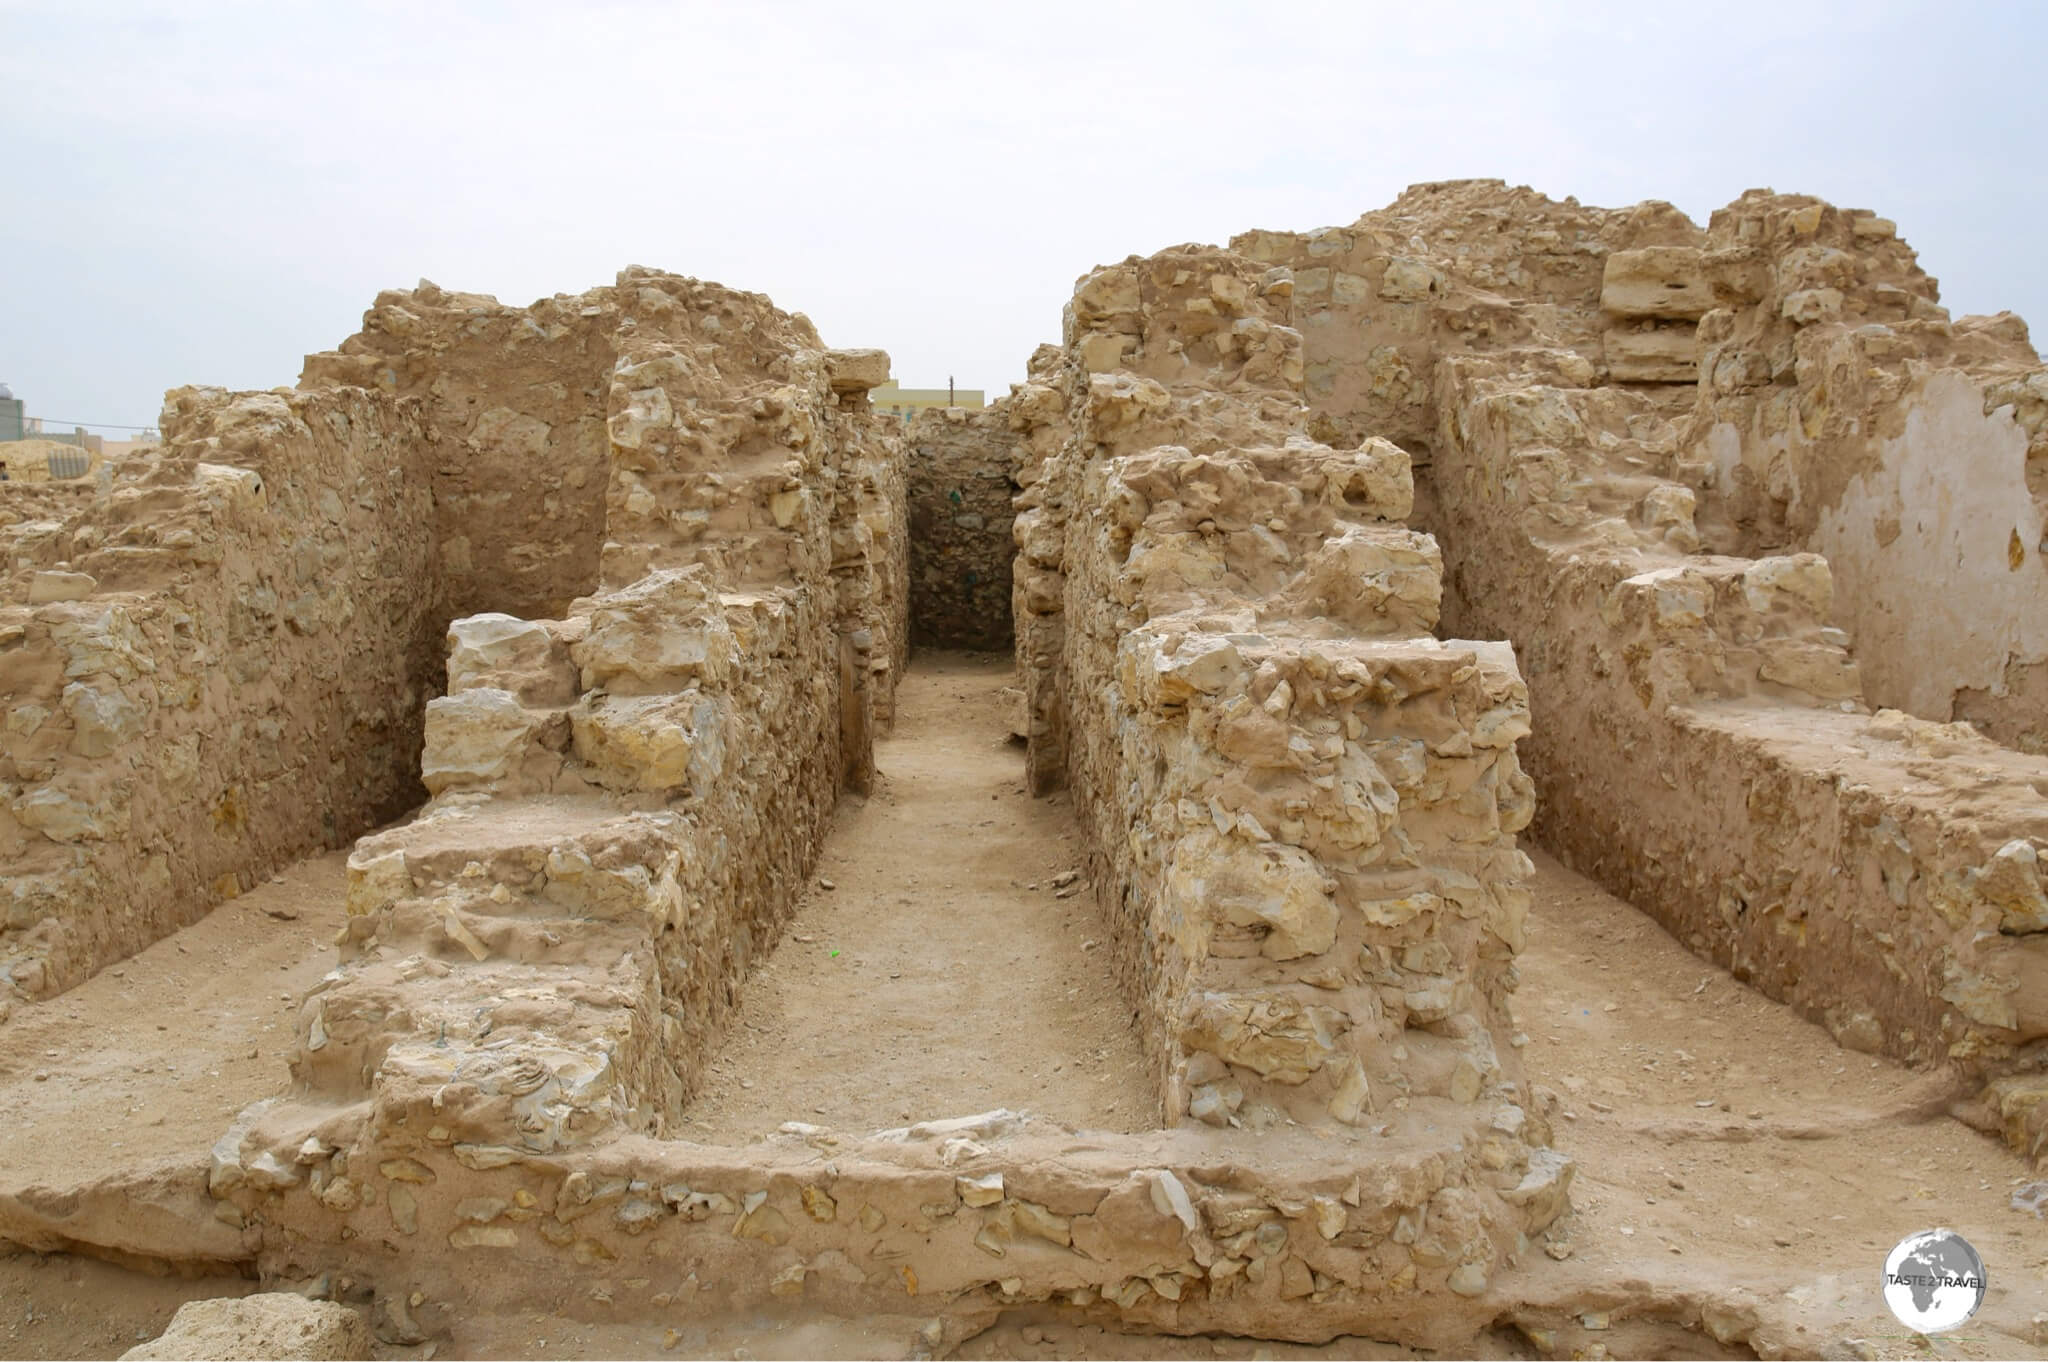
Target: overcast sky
(202, 192)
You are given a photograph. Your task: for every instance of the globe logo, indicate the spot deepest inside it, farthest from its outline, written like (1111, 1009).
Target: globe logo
(1933, 1280)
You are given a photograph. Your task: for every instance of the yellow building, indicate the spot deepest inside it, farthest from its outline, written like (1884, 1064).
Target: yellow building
(904, 403)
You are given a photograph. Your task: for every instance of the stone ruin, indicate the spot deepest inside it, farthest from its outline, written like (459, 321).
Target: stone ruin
(1332, 562)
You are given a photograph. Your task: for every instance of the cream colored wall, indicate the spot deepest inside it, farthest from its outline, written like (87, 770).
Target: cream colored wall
(1937, 551)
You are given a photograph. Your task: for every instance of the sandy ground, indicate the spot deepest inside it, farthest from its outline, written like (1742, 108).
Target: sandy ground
(1722, 1141)
(1721, 1134)
(943, 973)
(149, 1061)
(155, 1055)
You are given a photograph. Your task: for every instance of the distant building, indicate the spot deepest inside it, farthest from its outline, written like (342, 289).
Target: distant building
(13, 426)
(77, 435)
(904, 403)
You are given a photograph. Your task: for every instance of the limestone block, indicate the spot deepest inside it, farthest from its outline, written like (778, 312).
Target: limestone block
(1121, 400)
(1375, 580)
(1660, 354)
(1410, 280)
(656, 743)
(504, 652)
(1102, 351)
(241, 487)
(1798, 584)
(1819, 669)
(1105, 295)
(1274, 1034)
(376, 880)
(60, 816)
(1656, 281)
(103, 720)
(1669, 508)
(1166, 672)
(272, 1324)
(1378, 478)
(1544, 1191)
(477, 739)
(1804, 307)
(45, 587)
(662, 632)
(645, 413)
(1277, 892)
(856, 371)
(2011, 882)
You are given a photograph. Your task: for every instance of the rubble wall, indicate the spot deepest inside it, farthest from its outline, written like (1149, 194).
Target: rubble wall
(627, 798)
(514, 400)
(1038, 415)
(1702, 742)
(1702, 747)
(211, 662)
(254, 620)
(958, 466)
(1841, 410)
(1378, 301)
(1300, 805)
(945, 1224)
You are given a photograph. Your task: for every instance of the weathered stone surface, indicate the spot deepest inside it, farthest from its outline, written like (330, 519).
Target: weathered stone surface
(45, 587)
(959, 465)
(856, 371)
(1656, 281)
(274, 1324)
(662, 632)
(476, 739)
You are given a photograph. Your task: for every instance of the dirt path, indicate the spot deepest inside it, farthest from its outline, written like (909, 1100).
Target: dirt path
(154, 1056)
(1724, 1144)
(944, 973)
(1723, 1141)
(147, 1063)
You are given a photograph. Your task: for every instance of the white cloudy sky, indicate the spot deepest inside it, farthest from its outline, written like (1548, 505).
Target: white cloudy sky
(203, 191)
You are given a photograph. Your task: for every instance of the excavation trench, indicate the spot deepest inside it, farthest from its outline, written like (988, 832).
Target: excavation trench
(1725, 1144)
(946, 957)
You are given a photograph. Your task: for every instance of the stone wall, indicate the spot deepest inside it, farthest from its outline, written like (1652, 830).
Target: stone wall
(628, 798)
(1038, 413)
(219, 657)
(514, 401)
(1841, 410)
(212, 661)
(958, 465)
(1703, 748)
(1701, 739)
(1300, 805)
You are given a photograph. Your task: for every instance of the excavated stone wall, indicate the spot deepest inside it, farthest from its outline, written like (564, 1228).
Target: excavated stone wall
(224, 659)
(212, 660)
(628, 798)
(533, 965)
(1841, 410)
(1301, 806)
(514, 399)
(1701, 740)
(958, 467)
